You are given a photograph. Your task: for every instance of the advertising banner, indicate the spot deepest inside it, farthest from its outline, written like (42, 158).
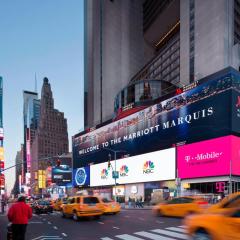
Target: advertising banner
(61, 175)
(155, 166)
(1, 153)
(172, 122)
(81, 176)
(209, 158)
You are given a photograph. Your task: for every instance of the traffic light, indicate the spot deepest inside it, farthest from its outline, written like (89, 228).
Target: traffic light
(109, 164)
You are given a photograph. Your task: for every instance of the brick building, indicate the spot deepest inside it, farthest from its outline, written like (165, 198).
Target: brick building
(51, 137)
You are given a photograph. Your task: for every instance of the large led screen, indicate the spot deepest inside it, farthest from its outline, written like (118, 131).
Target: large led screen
(192, 116)
(217, 157)
(81, 176)
(155, 166)
(62, 175)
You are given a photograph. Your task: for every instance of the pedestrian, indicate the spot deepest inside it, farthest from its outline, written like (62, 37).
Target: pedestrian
(3, 203)
(19, 214)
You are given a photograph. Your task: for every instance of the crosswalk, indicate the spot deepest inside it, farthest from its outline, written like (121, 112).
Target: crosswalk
(169, 233)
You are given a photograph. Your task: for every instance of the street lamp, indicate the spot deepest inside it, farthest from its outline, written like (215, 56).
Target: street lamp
(115, 173)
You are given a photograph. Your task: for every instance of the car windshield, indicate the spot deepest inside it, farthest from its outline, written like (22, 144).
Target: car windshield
(44, 203)
(90, 200)
(105, 200)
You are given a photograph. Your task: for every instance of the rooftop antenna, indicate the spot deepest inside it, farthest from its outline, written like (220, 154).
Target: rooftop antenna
(35, 82)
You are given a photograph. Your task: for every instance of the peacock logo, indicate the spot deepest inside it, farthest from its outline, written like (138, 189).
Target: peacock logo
(124, 171)
(104, 173)
(148, 167)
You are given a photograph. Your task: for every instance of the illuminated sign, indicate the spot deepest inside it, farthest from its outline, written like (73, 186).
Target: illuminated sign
(41, 179)
(81, 176)
(1, 153)
(1, 133)
(209, 158)
(62, 174)
(154, 166)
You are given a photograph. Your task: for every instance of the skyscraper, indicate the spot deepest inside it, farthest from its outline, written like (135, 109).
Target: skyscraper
(30, 121)
(176, 41)
(51, 137)
(113, 53)
(2, 162)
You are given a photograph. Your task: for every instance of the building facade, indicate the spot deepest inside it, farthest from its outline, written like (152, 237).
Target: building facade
(2, 160)
(175, 41)
(51, 137)
(173, 154)
(30, 124)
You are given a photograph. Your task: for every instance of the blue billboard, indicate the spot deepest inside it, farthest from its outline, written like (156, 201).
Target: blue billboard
(62, 175)
(201, 113)
(81, 176)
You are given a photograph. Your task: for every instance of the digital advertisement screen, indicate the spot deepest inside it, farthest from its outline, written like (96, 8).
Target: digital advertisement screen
(155, 166)
(209, 158)
(81, 176)
(62, 175)
(177, 120)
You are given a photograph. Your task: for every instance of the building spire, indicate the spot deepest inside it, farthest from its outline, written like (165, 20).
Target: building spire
(35, 82)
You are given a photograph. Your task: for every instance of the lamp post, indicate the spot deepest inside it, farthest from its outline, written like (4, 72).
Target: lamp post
(115, 173)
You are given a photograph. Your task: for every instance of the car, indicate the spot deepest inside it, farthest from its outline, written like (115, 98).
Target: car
(231, 201)
(57, 205)
(110, 206)
(42, 206)
(221, 226)
(82, 206)
(180, 206)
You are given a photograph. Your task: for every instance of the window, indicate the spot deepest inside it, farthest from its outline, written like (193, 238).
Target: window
(90, 200)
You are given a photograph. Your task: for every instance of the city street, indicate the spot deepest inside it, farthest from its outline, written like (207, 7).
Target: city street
(128, 225)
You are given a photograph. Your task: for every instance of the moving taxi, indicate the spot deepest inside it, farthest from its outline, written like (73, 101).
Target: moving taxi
(224, 226)
(57, 205)
(180, 207)
(231, 201)
(110, 206)
(82, 206)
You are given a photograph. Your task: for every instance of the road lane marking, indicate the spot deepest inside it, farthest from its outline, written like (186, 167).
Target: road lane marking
(46, 237)
(142, 219)
(171, 234)
(152, 236)
(116, 227)
(176, 229)
(100, 222)
(106, 238)
(49, 223)
(128, 237)
(127, 216)
(64, 234)
(32, 222)
(56, 228)
(159, 222)
(182, 226)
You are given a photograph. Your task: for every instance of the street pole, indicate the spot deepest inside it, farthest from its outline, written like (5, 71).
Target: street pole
(115, 163)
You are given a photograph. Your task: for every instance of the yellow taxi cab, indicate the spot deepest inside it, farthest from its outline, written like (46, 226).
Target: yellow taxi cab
(223, 226)
(110, 206)
(180, 206)
(57, 205)
(82, 206)
(231, 201)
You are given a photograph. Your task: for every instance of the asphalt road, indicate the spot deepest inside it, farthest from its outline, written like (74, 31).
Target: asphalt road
(127, 225)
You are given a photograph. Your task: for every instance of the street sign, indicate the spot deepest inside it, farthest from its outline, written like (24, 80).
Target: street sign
(115, 174)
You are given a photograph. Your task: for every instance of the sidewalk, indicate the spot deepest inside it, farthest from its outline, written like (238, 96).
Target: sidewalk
(136, 208)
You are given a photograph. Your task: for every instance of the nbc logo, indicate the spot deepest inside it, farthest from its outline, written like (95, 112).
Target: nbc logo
(148, 167)
(104, 174)
(124, 171)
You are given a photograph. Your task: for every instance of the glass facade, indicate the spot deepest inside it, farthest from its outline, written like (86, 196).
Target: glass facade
(236, 21)
(142, 93)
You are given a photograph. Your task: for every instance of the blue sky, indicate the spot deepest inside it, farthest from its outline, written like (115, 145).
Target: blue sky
(43, 37)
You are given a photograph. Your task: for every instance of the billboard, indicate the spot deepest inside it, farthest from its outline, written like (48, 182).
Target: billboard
(171, 122)
(155, 166)
(81, 176)
(61, 175)
(216, 157)
(1, 153)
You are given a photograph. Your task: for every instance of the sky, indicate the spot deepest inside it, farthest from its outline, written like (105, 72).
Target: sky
(43, 37)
